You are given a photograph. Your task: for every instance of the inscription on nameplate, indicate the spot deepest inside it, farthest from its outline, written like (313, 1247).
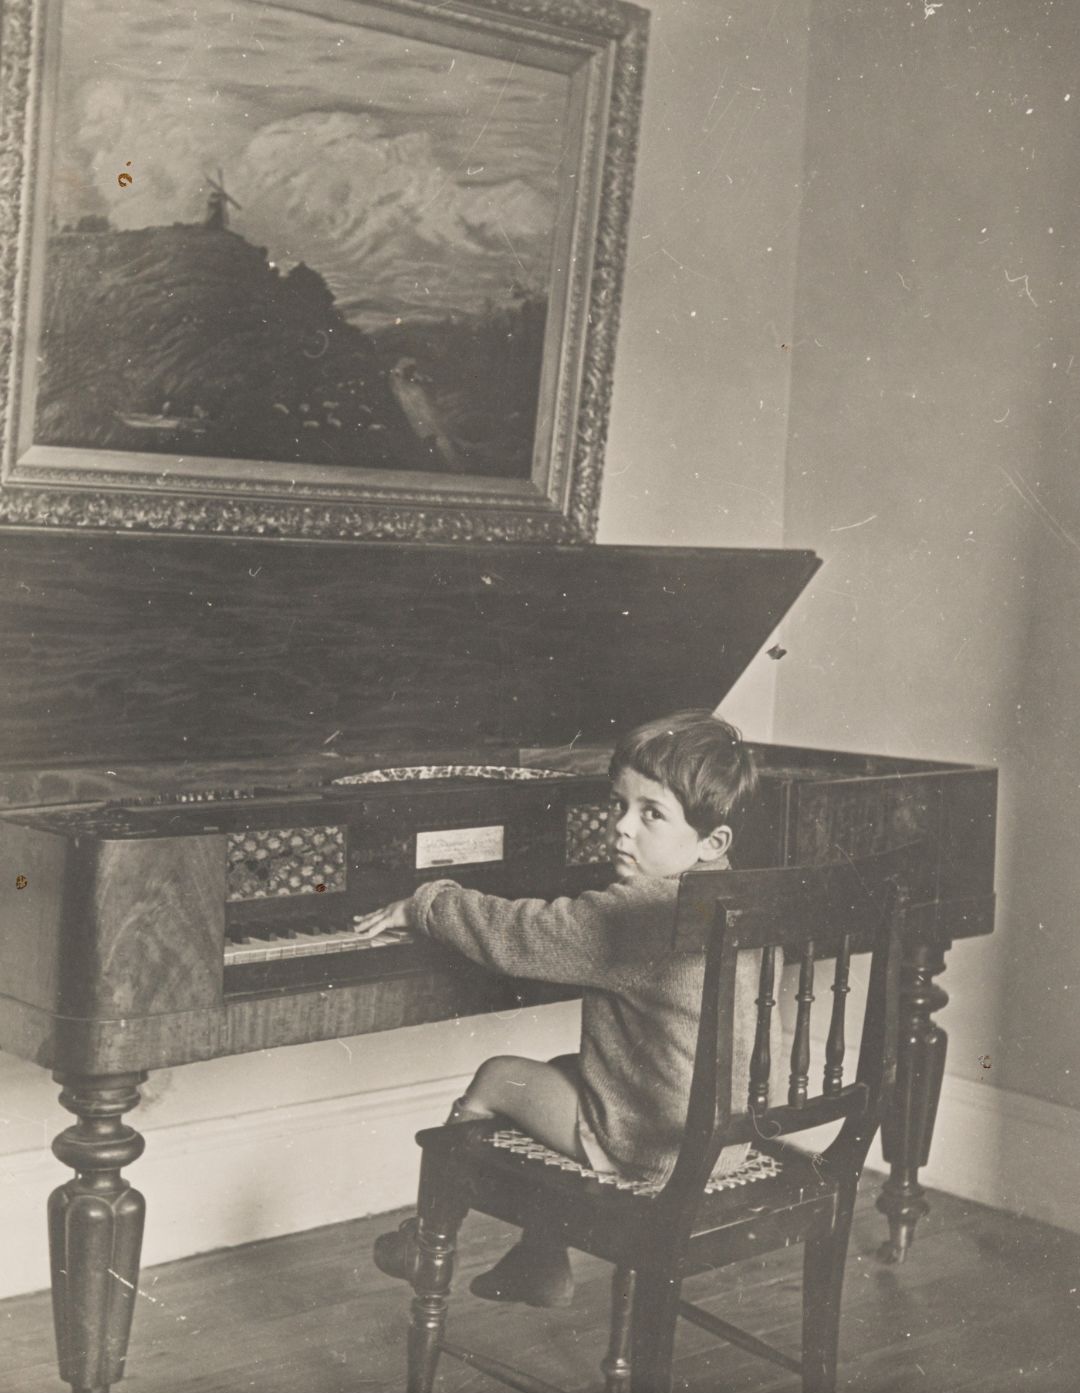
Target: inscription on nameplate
(458, 846)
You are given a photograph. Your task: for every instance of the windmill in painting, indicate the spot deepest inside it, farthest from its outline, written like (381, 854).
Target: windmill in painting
(217, 202)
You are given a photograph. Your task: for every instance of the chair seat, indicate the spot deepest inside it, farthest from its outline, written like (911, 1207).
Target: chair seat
(511, 1176)
(756, 1166)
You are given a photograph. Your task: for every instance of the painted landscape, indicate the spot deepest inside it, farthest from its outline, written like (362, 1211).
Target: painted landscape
(183, 340)
(334, 246)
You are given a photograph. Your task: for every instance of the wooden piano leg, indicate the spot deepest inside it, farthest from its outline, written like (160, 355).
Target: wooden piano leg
(95, 1231)
(908, 1126)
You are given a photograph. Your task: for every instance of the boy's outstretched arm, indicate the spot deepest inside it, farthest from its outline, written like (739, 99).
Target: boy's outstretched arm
(597, 938)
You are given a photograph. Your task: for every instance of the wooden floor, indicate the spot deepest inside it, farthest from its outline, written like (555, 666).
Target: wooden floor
(986, 1303)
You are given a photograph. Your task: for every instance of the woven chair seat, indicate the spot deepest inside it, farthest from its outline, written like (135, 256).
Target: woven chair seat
(754, 1167)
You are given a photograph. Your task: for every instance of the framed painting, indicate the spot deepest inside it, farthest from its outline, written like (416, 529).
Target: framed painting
(313, 268)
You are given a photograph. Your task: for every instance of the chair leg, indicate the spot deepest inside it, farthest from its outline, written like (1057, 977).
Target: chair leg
(823, 1282)
(431, 1285)
(652, 1336)
(616, 1367)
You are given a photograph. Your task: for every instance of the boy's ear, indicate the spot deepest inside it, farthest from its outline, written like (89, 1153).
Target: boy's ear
(716, 844)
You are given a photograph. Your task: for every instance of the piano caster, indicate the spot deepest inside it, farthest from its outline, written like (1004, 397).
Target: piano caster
(908, 1126)
(901, 1201)
(95, 1231)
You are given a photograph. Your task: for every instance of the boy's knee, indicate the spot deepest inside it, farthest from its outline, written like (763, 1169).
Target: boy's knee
(495, 1070)
(496, 1082)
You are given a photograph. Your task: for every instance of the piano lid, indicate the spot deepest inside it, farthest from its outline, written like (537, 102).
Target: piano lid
(120, 649)
(587, 642)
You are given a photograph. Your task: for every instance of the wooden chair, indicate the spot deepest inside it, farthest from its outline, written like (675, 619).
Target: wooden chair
(657, 1236)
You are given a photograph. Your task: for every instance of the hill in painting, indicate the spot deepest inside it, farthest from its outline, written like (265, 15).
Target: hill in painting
(187, 340)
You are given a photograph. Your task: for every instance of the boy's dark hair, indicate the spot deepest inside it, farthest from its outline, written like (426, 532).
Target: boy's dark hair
(700, 757)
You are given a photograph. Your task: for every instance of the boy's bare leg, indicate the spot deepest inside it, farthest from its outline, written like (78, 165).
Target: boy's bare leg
(539, 1097)
(543, 1101)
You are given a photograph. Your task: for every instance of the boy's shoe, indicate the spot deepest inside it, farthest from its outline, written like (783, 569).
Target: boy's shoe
(536, 1274)
(397, 1253)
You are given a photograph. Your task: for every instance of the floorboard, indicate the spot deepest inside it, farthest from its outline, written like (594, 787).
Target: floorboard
(987, 1303)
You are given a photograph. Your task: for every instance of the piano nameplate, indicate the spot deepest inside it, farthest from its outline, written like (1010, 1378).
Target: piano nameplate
(459, 846)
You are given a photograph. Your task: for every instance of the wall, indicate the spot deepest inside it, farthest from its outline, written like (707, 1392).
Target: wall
(932, 463)
(699, 419)
(695, 457)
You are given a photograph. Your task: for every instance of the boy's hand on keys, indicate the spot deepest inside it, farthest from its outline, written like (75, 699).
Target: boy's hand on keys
(391, 916)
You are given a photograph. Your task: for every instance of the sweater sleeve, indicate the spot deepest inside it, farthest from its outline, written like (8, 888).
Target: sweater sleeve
(601, 938)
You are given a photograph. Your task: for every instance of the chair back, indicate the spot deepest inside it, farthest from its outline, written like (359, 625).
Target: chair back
(802, 915)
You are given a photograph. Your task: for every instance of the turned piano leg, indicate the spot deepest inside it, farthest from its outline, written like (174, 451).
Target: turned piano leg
(908, 1126)
(95, 1231)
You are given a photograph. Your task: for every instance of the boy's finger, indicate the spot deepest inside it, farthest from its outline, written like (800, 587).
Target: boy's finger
(367, 925)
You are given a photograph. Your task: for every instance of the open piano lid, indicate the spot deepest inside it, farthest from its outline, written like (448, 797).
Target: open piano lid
(199, 650)
(542, 646)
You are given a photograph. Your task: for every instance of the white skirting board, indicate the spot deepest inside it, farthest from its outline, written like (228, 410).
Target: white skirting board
(1007, 1150)
(227, 1181)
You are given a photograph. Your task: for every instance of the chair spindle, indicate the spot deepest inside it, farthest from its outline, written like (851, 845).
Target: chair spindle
(761, 1059)
(800, 1050)
(835, 1045)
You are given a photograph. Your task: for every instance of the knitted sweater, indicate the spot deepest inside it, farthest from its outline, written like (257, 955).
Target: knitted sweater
(640, 1000)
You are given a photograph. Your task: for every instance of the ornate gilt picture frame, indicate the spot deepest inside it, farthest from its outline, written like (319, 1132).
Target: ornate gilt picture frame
(313, 268)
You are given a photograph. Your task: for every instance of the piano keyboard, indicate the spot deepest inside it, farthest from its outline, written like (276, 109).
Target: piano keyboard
(268, 944)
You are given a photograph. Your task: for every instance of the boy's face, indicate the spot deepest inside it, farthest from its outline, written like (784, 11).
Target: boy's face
(649, 833)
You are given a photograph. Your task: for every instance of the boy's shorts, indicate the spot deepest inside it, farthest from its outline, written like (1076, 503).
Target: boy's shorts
(599, 1160)
(587, 1140)
(731, 1158)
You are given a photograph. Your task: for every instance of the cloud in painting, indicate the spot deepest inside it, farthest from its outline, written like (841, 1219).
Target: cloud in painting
(374, 214)
(410, 177)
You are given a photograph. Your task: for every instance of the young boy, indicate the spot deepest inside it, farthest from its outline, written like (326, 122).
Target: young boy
(678, 784)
